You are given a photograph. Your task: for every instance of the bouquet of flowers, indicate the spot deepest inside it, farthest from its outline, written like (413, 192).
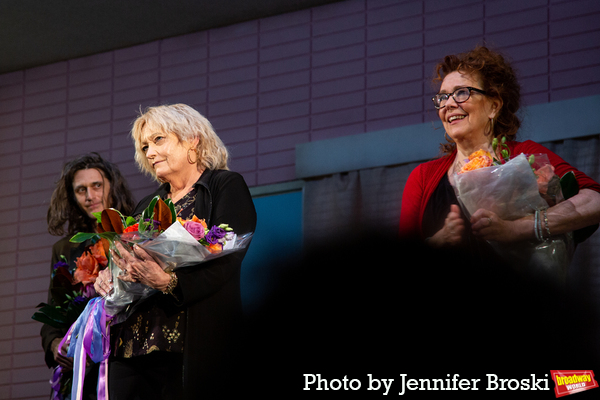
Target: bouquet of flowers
(71, 289)
(514, 188)
(174, 243)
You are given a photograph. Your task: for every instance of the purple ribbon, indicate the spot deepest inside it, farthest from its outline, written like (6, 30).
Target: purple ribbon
(89, 336)
(55, 383)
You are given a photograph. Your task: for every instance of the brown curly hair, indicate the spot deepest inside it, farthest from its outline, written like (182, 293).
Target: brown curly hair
(499, 80)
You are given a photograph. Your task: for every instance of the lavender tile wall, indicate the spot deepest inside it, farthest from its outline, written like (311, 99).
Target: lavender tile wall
(266, 85)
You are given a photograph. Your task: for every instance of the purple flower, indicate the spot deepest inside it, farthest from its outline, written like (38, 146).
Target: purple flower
(79, 300)
(214, 235)
(60, 264)
(88, 291)
(155, 223)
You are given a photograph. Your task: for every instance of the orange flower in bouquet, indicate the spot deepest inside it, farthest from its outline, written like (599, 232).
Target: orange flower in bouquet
(215, 248)
(132, 228)
(171, 244)
(213, 239)
(513, 188)
(544, 175)
(89, 264)
(478, 159)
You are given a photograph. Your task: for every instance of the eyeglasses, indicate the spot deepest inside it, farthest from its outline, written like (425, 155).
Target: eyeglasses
(460, 95)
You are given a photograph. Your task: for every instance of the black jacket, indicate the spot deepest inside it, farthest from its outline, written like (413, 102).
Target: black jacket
(210, 291)
(71, 251)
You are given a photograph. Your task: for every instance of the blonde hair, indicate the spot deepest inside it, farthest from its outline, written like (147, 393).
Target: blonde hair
(186, 124)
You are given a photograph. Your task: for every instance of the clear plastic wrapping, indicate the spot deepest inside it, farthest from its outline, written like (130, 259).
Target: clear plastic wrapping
(174, 248)
(512, 190)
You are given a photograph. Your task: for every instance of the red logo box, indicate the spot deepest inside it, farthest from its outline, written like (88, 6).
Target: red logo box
(572, 381)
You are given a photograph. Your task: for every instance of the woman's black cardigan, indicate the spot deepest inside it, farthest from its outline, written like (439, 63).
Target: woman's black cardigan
(210, 292)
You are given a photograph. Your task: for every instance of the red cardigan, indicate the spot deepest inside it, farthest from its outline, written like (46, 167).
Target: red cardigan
(425, 178)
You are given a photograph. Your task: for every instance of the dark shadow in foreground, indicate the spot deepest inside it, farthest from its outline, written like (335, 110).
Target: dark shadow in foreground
(377, 305)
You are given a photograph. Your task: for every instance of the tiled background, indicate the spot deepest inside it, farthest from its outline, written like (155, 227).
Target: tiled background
(266, 85)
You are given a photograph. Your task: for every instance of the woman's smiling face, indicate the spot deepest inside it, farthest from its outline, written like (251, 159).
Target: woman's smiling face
(467, 121)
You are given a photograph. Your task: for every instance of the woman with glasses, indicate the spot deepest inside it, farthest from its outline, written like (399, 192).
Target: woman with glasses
(478, 101)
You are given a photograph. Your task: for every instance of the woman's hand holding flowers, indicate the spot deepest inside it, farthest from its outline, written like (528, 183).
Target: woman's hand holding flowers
(63, 361)
(452, 232)
(140, 267)
(103, 284)
(488, 226)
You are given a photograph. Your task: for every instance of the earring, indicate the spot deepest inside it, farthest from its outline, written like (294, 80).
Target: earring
(189, 158)
(491, 131)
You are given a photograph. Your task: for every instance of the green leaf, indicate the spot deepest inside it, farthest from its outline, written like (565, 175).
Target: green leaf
(54, 313)
(142, 224)
(98, 216)
(148, 213)
(569, 185)
(81, 237)
(171, 206)
(130, 221)
(40, 317)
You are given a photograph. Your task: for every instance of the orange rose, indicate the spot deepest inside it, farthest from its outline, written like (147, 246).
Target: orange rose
(215, 248)
(544, 175)
(479, 153)
(194, 219)
(478, 159)
(132, 228)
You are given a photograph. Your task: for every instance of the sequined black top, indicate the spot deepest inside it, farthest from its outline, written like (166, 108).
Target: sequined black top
(157, 325)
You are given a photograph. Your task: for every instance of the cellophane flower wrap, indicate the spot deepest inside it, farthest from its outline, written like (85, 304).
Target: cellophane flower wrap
(512, 190)
(173, 248)
(170, 243)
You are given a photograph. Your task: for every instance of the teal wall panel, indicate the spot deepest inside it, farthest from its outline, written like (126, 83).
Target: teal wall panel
(546, 122)
(278, 237)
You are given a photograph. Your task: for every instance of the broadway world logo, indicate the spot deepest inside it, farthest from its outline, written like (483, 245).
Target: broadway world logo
(572, 381)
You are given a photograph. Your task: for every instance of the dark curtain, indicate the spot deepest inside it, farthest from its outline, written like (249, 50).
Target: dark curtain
(351, 203)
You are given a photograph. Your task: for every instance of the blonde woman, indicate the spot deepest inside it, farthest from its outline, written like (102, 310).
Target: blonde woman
(174, 344)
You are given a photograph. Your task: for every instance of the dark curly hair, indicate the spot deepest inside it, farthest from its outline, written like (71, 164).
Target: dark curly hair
(64, 207)
(499, 80)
